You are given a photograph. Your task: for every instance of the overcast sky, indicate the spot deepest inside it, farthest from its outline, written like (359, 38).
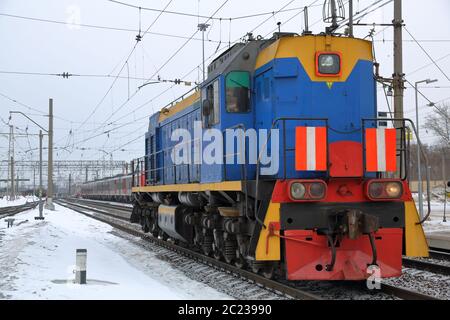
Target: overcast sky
(80, 103)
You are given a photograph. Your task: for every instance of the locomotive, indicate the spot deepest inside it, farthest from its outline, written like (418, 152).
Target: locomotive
(320, 195)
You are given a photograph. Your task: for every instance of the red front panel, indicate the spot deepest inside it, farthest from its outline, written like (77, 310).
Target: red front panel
(307, 255)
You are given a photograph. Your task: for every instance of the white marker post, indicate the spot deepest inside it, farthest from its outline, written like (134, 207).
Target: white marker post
(80, 271)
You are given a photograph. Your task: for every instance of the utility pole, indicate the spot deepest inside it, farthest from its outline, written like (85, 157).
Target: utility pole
(50, 205)
(70, 182)
(12, 196)
(202, 27)
(86, 179)
(41, 217)
(350, 18)
(11, 159)
(444, 181)
(419, 166)
(34, 182)
(397, 77)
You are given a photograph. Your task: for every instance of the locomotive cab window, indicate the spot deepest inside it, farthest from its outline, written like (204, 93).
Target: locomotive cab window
(210, 104)
(237, 91)
(328, 64)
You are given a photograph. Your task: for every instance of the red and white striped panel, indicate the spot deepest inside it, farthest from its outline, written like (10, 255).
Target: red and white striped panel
(311, 148)
(381, 150)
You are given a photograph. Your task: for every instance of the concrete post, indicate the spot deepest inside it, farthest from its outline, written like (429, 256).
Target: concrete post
(41, 217)
(398, 81)
(80, 271)
(50, 204)
(12, 196)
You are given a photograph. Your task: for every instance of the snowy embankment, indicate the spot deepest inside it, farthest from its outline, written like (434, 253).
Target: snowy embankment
(438, 207)
(5, 202)
(37, 261)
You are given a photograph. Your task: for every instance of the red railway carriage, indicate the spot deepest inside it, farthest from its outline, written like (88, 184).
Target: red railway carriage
(116, 188)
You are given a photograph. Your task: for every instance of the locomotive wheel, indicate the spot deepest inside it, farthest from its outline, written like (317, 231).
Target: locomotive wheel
(240, 262)
(217, 254)
(255, 266)
(135, 215)
(163, 235)
(268, 271)
(145, 226)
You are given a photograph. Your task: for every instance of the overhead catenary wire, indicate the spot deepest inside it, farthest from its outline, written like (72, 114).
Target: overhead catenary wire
(123, 66)
(195, 68)
(164, 64)
(428, 55)
(80, 75)
(197, 15)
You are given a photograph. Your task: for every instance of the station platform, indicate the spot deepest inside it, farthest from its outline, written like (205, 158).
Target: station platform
(439, 239)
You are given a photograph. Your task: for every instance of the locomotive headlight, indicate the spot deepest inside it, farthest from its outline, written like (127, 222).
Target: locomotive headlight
(385, 190)
(393, 189)
(376, 190)
(328, 64)
(298, 190)
(317, 190)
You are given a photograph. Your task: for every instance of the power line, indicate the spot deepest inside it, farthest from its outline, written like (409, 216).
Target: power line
(421, 40)
(20, 103)
(429, 64)
(164, 91)
(158, 95)
(93, 26)
(166, 62)
(67, 75)
(428, 55)
(138, 39)
(433, 104)
(361, 14)
(195, 15)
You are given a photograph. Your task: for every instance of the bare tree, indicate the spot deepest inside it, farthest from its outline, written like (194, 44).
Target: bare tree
(438, 123)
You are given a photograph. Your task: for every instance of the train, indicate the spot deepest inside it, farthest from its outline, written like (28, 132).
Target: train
(279, 163)
(116, 188)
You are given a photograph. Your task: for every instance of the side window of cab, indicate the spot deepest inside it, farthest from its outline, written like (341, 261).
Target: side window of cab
(210, 104)
(237, 84)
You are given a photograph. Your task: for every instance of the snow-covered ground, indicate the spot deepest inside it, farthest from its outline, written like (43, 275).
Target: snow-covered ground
(5, 202)
(37, 261)
(435, 222)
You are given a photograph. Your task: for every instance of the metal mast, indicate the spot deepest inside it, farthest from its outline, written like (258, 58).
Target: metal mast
(398, 81)
(50, 205)
(202, 27)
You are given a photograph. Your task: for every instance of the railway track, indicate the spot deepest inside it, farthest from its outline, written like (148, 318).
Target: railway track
(438, 253)
(291, 290)
(12, 210)
(427, 266)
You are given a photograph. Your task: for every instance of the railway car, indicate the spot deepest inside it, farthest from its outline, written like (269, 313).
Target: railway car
(320, 195)
(117, 188)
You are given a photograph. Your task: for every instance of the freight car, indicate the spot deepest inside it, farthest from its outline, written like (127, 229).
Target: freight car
(278, 163)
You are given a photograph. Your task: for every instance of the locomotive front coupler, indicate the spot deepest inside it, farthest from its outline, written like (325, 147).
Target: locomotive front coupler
(353, 223)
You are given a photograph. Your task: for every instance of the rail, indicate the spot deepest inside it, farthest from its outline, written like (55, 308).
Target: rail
(273, 284)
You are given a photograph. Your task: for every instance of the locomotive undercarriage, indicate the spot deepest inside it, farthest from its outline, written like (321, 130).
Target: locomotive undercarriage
(220, 225)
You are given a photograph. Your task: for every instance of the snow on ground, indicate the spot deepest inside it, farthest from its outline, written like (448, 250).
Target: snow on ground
(37, 261)
(5, 202)
(435, 222)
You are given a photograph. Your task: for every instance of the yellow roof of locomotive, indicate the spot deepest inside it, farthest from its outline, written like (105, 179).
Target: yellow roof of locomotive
(179, 106)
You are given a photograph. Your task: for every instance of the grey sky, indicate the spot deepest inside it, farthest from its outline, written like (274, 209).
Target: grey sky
(32, 46)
